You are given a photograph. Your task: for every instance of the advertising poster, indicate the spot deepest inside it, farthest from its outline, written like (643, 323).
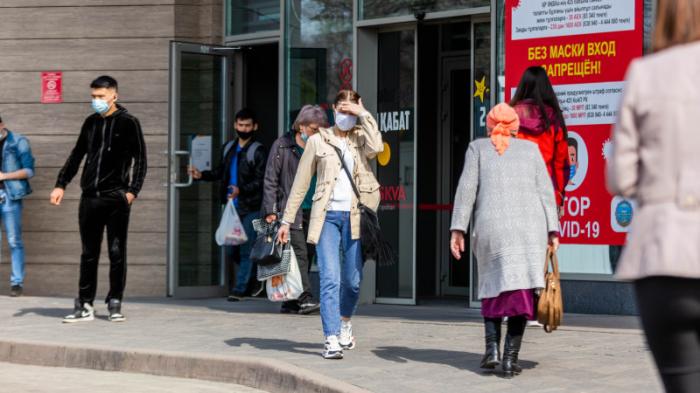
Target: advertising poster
(585, 46)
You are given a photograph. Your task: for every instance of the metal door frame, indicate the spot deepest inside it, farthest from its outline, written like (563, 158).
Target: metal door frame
(174, 155)
(446, 168)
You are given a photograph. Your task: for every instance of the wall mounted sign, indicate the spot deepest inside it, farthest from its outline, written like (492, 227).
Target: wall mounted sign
(51, 87)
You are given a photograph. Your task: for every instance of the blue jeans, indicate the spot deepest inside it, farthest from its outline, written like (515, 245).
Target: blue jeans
(245, 265)
(340, 282)
(11, 214)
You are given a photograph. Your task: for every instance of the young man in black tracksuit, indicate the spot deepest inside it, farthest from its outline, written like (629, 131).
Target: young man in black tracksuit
(241, 173)
(111, 141)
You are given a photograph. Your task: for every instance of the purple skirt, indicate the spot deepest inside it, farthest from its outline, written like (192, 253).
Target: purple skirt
(510, 304)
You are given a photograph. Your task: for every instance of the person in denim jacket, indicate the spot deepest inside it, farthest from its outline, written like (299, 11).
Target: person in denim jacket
(17, 167)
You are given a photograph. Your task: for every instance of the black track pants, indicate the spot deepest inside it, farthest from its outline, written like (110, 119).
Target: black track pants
(111, 211)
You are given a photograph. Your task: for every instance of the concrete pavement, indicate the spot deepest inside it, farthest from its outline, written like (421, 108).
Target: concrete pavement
(400, 348)
(36, 379)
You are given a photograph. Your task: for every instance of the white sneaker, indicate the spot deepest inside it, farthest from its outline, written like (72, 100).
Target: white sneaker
(332, 349)
(347, 340)
(534, 323)
(81, 313)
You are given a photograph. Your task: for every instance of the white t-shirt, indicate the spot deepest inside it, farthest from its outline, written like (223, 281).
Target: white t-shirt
(341, 198)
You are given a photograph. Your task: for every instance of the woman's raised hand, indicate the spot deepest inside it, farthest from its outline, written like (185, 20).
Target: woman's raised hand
(457, 244)
(351, 108)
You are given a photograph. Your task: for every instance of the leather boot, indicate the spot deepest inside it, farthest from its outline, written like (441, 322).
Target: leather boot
(492, 356)
(511, 348)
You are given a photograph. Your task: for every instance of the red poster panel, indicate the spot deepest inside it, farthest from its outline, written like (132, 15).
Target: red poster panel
(585, 46)
(51, 87)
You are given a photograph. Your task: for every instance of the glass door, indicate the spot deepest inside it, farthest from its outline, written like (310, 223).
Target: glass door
(200, 91)
(482, 62)
(454, 139)
(396, 165)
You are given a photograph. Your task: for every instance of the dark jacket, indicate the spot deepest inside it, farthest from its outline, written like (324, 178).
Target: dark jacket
(279, 176)
(111, 145)
(250, 177)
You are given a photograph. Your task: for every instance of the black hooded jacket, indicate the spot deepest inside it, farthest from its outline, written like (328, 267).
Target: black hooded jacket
(111, 145)
(251, 175)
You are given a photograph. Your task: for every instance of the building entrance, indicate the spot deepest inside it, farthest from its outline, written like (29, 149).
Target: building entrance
(431, 101)
(208, 84)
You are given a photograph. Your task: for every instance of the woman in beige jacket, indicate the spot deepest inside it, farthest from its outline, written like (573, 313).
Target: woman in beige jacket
(335, 216)
(656, 160)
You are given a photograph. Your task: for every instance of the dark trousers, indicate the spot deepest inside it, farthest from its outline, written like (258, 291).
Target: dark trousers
(298, 240)
(670, 311)
(111, 211)
(304, 253)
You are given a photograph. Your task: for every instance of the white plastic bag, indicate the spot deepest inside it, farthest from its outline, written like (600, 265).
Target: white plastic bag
(288, 286)
(230, 231)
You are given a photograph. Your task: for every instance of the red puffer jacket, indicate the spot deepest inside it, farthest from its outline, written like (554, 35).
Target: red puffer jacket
(552, 143)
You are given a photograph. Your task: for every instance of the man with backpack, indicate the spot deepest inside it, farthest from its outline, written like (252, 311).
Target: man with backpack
(241, 172)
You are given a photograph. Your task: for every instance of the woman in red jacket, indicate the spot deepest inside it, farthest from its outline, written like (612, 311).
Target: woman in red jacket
(542, 122)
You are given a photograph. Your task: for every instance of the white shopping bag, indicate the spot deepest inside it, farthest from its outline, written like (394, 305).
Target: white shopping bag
(288, 286)
(230, 231)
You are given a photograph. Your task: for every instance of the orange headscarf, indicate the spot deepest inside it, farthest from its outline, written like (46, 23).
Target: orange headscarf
(502, 121)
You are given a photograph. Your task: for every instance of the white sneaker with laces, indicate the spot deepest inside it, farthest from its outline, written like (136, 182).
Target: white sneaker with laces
(347, 340)
(332, 349)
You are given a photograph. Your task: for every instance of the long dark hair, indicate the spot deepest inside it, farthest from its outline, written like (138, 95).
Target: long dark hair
(535, 85)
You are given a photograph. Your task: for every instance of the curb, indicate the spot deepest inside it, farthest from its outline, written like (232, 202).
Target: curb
(260, 373)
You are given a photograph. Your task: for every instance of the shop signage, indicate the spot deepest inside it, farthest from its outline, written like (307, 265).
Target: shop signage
(51, 87)
(395, 120)
(585, 46)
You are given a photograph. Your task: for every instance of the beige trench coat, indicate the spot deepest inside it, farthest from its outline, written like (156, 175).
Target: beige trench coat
(321, 159)
(656, 161)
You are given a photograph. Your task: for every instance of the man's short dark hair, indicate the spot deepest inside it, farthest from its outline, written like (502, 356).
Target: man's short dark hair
(104, 82)
(246, 114)
(572, 142)
(0, 119)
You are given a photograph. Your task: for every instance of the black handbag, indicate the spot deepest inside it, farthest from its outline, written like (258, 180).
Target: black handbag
(266, 250)
(374, 247)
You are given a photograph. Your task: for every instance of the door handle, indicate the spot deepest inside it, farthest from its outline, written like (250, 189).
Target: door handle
(190, 180)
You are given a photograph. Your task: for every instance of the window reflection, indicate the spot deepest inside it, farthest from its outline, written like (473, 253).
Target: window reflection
(319, 44)
(251, 16)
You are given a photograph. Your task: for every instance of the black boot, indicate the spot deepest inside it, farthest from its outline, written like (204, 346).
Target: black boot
(492, 356)
(511, 347)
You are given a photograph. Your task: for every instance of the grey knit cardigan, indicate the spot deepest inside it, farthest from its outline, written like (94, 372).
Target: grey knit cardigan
(512, 199)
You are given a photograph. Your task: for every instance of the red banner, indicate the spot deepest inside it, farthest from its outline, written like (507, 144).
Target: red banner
(51, 87)
(585, 46)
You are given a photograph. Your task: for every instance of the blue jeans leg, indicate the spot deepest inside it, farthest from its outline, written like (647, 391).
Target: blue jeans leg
(351, 272)
(328, 257)
(245, 265)
(12, 220)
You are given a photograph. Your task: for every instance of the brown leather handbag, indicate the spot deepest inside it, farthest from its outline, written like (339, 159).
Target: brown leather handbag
(550, 307)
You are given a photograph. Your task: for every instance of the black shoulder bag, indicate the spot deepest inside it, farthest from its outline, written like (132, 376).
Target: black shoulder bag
(374, 247)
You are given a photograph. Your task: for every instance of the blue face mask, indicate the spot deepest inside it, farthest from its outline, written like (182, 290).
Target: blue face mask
(100, 106)
(304, 137)
(572, 172)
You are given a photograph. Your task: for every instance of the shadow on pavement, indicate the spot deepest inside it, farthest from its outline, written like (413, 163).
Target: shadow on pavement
(44, 312)
(458, 359)
(277, 345)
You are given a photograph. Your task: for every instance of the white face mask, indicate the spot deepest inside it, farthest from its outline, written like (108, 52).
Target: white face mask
(344, 121)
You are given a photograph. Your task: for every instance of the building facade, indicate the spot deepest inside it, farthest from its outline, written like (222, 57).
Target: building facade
(428, 69)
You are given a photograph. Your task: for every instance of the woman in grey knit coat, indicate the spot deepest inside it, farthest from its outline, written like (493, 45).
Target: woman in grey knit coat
(506, 187)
